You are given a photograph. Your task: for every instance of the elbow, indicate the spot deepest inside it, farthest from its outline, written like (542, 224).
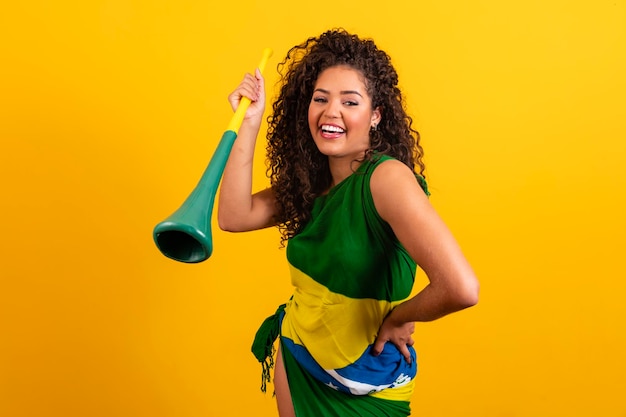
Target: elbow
(235, 222)
(227, 225)
(467, 294)
(224, 226)
(226, 222)
(462, 295)
(222, 222)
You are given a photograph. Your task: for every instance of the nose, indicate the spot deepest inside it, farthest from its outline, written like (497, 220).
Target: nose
(332, 110)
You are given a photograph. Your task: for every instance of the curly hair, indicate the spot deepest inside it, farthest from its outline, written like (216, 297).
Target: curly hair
(298, 171)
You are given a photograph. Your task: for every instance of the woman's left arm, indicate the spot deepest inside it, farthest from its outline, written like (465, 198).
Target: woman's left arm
(452, 286)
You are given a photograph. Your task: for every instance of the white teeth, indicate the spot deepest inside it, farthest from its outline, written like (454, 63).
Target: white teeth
(328, 128)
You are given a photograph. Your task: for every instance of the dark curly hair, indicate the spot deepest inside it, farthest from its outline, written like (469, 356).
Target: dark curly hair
(298, 171)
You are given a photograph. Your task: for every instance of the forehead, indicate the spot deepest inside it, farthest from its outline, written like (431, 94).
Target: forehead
(341, 77)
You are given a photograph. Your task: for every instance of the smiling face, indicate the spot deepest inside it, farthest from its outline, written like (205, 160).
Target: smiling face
(341, 114)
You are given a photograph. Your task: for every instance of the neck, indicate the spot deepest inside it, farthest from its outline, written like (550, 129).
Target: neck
(342, 168)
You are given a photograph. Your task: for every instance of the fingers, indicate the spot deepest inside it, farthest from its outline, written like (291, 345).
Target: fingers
(399, 334)
(404, 350)
(260, 79)
(378, 346)
(261, 86)
(250, 87)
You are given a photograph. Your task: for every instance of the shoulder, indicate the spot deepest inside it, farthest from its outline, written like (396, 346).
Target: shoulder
(386, 169)
(389, 171)
(388, 174)
(394, 186)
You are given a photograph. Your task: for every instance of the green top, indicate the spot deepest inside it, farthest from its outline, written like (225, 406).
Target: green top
(349, 248)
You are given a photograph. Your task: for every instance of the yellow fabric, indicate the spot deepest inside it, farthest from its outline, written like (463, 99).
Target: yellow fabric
(402, 393)
(333, 327)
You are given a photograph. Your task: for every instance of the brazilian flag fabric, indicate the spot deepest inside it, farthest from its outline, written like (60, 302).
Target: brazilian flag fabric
(348, 271)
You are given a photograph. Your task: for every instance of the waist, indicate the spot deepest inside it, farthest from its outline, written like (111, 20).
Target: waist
(335, 329)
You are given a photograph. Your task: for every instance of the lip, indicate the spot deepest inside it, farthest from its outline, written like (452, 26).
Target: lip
(334, 132)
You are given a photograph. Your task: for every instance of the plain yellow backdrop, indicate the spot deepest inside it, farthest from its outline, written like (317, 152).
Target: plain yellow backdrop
(110, 110)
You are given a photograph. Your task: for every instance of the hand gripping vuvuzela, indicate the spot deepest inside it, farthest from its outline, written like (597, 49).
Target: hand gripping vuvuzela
(185, 235)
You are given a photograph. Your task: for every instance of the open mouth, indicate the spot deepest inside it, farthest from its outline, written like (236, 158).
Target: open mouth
(330, 129)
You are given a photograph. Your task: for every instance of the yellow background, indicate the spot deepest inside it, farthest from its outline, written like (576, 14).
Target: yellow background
(110, 110)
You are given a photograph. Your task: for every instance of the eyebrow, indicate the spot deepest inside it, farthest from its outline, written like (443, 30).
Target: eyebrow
(343, 92)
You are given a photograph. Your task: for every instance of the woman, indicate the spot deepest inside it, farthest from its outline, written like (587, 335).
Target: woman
(349, 197)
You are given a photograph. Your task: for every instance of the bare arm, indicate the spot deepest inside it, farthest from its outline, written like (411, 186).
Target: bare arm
(452, 284)
(238, 209)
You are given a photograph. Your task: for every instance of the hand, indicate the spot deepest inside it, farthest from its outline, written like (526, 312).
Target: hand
(252, 87)
(400, 334)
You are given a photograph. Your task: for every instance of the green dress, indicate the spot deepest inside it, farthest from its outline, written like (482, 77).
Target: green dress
(349, 271)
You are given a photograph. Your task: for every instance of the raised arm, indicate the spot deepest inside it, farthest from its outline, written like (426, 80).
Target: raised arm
(238, 209)
(452, 284)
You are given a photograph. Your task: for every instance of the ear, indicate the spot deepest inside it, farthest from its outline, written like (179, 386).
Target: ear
(376, 117)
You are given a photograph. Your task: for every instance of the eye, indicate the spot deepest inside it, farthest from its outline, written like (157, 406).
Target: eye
(351, 103)
(319, 99)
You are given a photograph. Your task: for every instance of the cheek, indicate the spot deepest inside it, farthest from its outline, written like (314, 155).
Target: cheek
(312, 120)
(359, 122)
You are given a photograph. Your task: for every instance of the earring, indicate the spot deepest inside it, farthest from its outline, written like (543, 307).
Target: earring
(374, 126)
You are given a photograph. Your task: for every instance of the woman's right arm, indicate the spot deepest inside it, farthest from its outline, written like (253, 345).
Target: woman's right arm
(238, 209)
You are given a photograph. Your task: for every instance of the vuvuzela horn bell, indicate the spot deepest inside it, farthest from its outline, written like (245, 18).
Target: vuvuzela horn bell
(185, 235)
